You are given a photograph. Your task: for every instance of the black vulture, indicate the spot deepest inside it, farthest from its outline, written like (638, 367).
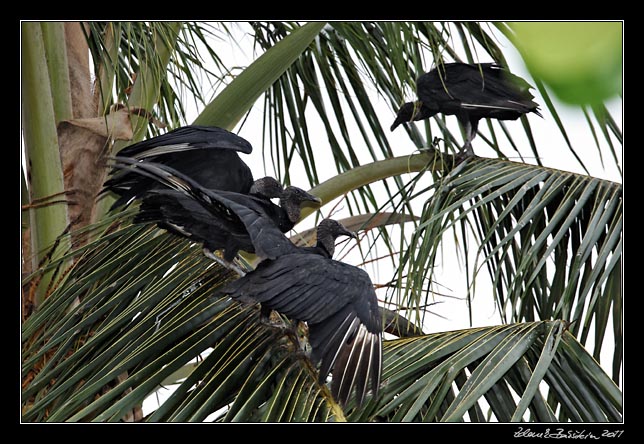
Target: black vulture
(335, 299)
(470, 92)
(184, 214)
(207, 154)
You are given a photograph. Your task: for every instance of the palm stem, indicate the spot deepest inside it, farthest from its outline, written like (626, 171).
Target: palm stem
(56, 54)
(41, 142)
(372, 172)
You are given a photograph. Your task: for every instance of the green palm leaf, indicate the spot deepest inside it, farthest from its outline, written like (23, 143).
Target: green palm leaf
(550, 241)
(120, 49)
(424, 376)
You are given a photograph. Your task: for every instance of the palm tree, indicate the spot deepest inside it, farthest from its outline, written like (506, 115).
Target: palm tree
(116, 313)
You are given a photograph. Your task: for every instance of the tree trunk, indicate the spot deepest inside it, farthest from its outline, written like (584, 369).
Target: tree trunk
(81, 149)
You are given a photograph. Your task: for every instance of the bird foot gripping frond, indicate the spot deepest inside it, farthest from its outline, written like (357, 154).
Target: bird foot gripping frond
(288, 329)
(465, 152)
(229, 265)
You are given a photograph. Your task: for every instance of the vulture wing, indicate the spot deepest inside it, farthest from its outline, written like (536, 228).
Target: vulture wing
(207, 154)
(339, 304)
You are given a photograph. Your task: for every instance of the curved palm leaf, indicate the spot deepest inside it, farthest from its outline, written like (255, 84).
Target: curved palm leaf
(516, 371)
(550, 241)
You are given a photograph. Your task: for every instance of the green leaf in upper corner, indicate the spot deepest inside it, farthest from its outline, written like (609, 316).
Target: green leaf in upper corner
(580, 61)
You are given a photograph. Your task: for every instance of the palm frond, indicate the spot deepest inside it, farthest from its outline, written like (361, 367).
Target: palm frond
(120, 50)
(137, 306)
(237, 98)
(517, 371)
(550, 240)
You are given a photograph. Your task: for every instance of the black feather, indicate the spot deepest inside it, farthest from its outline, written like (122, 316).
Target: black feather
(211, 217)
(338, 303)
(206, 154)
(470, 92)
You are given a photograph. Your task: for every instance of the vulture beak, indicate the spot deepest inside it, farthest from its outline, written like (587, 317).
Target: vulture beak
(311, 198)
(351, 234)
(397, 122)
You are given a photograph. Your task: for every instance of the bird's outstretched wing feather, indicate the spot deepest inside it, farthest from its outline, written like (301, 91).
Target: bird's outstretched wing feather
(339, 304)
(184, 216)
(207, 154)
(191, 137)
(265, 236)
